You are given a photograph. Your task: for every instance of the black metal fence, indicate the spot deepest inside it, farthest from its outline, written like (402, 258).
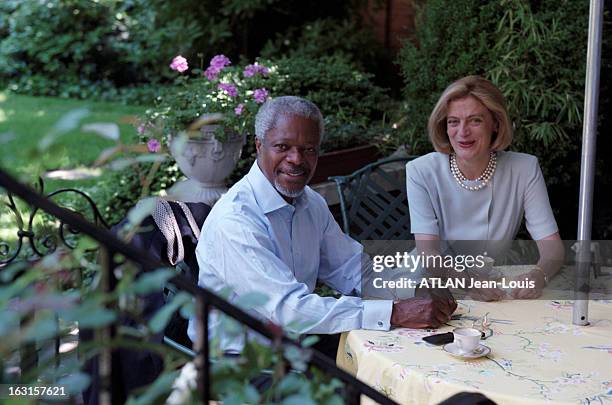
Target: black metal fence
(205, 300)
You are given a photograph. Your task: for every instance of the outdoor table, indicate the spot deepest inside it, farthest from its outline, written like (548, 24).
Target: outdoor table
(537, 356)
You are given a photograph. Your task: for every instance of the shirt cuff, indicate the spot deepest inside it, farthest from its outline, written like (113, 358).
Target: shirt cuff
(377, 314)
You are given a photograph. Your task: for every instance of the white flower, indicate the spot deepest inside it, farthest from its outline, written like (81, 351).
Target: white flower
(184, 385)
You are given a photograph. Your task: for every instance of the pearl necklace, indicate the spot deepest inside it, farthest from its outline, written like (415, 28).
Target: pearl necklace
(484, 178)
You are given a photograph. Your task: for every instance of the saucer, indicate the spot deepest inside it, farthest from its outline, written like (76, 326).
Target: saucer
(481, 350)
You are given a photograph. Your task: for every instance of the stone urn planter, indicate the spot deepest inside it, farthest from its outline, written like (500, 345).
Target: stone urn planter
(206, 163)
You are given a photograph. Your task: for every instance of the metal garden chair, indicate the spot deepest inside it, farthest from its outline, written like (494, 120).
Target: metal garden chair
(373, 201)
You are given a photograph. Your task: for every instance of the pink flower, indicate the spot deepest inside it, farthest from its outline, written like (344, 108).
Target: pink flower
(143, 127)
(260, 95)
(217, 64)
(153, 145)
(239, 108)
(230, 89)
(220, 61)
(252, 70)
(179, 63)
(211, 73)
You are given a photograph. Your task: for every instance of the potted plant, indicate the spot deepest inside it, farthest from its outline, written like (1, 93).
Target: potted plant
(204, 120)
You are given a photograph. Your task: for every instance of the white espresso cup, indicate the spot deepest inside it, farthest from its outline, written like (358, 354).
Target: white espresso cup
(466, 339)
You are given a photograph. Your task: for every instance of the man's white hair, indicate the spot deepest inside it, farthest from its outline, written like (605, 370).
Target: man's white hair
(282, 106)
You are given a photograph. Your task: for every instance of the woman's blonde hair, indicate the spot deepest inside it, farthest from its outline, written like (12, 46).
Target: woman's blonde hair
(485, 92)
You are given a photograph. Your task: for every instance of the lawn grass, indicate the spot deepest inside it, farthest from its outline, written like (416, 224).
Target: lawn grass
(24, 121)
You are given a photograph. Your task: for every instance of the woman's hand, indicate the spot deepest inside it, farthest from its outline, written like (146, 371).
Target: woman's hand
(537, 276)
(552, 253)
(480, 293)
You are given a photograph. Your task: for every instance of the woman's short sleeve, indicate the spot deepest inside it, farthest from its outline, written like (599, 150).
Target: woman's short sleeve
(422, 215)
(539, 217)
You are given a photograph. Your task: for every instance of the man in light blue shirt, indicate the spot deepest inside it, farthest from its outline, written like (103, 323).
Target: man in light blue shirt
(271, 233)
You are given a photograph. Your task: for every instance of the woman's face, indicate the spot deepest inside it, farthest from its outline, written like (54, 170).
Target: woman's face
(470, 126)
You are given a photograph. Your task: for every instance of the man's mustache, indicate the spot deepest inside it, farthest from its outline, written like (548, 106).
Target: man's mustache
(296, 170)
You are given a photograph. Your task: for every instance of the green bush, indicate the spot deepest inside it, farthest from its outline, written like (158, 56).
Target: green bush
(83, 48)
(335, 85)
(329, 36)
(243, 27)
(121, 190)
(535, 54)
(86, 48)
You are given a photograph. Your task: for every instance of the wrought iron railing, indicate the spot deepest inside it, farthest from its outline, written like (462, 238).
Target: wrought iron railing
(41, 244)
(205, 301)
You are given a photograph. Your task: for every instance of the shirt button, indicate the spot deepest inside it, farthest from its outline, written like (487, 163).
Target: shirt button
(380, 323)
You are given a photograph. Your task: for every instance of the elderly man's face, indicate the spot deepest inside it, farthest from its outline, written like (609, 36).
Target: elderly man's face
(289, 153)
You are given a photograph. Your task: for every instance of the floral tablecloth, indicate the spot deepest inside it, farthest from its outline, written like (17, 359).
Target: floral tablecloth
(537, 357)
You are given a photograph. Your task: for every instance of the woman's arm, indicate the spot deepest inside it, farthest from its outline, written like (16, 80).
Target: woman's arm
(428, 244)
(552, 254)
(543, 229)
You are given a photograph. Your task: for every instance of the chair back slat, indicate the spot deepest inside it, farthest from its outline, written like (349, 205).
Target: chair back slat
(373, 201)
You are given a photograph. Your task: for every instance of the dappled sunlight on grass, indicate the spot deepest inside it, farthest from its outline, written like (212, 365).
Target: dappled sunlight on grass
(9, 222)
(8, 227)
(28, 119)
(75, 174)
(5, 114)
(42, 223)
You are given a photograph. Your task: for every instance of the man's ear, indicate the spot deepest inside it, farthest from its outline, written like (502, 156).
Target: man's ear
(257, 145)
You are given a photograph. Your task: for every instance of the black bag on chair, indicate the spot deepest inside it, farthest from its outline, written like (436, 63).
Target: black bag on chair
(169, 235)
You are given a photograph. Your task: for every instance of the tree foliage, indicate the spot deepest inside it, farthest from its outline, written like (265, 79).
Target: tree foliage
(87, 48)
(534, 52)
(67, 47)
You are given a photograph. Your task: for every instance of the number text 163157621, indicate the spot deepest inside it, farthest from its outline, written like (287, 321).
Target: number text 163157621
(31, 391)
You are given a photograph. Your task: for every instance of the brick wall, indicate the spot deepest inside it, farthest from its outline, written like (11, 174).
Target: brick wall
(391, 21)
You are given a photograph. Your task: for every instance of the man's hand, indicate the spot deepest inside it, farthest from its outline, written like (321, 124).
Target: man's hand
(486, 294)
(422, 312)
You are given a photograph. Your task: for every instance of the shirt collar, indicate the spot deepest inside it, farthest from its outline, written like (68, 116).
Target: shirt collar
(268, 198)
